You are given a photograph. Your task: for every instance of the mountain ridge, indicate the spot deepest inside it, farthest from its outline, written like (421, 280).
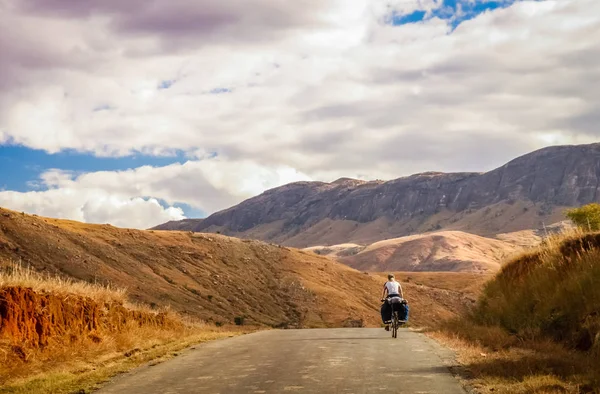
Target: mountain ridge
(525, 193)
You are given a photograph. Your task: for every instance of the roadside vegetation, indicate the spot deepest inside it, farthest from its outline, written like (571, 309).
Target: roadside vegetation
(587, 217)
(63, 336)
(16, 275)
(536, 326)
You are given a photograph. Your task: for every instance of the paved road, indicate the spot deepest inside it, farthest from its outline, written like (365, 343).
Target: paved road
(303, 361)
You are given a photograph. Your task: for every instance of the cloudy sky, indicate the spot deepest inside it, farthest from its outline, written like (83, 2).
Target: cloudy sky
(137, 112)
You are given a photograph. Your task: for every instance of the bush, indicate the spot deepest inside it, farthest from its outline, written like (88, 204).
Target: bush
(586, 217)
(239, 320)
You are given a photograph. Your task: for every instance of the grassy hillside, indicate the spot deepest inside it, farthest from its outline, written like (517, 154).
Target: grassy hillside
(211, 277)
(537, 323)
(553, 292)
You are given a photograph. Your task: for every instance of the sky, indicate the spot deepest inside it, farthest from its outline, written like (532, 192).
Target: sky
(135, 113)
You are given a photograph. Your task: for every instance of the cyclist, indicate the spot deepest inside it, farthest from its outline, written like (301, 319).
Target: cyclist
(393, 289)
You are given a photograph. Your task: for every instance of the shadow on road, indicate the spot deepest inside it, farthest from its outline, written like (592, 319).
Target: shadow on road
(340, 339)
(443, 369)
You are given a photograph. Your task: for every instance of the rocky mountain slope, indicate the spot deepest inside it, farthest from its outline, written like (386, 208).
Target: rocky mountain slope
(212, 277)
(523, 194)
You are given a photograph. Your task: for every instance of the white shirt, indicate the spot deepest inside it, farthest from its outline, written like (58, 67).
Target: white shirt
(392, 287)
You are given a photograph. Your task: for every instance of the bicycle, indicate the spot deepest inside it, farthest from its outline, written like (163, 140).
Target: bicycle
(396, 321)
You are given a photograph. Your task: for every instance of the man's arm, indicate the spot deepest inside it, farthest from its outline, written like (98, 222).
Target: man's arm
(384, 291)
(400, 290)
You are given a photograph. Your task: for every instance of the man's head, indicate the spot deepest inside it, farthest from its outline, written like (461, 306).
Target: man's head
(391, 277)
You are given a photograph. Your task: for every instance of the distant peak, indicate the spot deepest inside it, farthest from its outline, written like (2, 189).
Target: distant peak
(342, 181)
(349, 182)
(431, 173)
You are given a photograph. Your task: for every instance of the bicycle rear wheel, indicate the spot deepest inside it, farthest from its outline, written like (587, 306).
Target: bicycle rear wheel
(395, 324)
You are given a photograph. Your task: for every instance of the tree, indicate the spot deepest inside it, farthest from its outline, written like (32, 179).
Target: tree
(586, 217)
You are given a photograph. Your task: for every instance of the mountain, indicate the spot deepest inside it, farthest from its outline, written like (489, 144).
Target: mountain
(523, 194)
(216, 278)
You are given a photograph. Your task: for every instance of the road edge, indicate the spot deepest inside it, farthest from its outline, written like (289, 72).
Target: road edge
(449, 358)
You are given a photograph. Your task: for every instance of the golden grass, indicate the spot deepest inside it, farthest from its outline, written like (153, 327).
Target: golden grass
(68, 369)
(536, 328)
(492, 360)
(524, 368)
(14, 274)
(553, 293)
(72, 364)
(549, 246)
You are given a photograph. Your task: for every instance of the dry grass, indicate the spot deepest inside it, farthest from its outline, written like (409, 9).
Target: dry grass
(68, 369)
(13, 274)
(552, 293)
(521, 368)
(72, 363)
(545, 249)
(536, 328)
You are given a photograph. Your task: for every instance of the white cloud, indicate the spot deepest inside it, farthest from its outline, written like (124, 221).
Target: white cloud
(92, 206)
(122, 198)
(135, 212)
(316, 89)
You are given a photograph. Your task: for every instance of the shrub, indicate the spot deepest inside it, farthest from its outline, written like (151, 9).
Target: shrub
(586, 217)
(239, 320)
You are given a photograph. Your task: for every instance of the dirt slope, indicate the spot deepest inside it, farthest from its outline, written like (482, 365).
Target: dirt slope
(452, 251)
(212, 277)
(64, 336)
(32, 319)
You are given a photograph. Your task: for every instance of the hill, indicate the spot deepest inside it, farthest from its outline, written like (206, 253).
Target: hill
(536, 327)
(523, 194)
(212, 277)
(452, 251)
(336, 251)
(564, 273)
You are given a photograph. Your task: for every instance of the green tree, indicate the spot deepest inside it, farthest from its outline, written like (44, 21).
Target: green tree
(586, 217)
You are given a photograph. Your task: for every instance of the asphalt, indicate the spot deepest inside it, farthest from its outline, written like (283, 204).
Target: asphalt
(354, 360)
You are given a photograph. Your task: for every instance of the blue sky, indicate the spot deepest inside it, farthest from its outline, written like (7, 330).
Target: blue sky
(21, 167)
(449, 11)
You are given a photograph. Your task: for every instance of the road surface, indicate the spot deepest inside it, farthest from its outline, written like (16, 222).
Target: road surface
(353, 360)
